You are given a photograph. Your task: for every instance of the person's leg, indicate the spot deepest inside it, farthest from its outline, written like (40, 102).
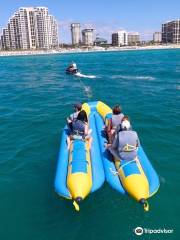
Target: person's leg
(90, 142)
(89, 132)
(68, 139)
(111, 135)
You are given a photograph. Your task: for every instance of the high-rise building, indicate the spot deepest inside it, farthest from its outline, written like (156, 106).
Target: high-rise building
(75, 34)
(14, 32)
(157, 37)
(30, 28)
(46, 29)
(171, 32)
(54, 31)
(133, 38)
(87, 37)
(120, 38)
(27, 26)
(5, 40)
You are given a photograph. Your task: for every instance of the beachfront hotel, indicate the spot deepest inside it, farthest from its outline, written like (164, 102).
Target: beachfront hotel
(30, 28)
(87, 37)
(157, 37)
(171, 32)
(120, 38)
(75, 34)
(133, 38)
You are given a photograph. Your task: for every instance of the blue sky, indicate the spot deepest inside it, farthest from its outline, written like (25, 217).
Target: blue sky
(104, 15)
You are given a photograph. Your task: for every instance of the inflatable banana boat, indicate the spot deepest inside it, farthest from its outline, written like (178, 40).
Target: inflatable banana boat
(137, 177)
(81, 171)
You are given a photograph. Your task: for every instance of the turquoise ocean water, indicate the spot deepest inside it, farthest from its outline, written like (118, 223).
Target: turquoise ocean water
(35, 98)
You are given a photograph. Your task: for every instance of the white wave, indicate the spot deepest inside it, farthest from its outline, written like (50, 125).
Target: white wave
(132, 77)
(88, 91)
(178, 87)
(84, 76)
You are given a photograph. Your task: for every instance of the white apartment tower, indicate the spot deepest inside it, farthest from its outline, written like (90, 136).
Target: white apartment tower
(157, 37)
(43, 27)
(30, 28)
(5, 39)
(87, 37)
(120, 38)
(14, 32)
(53, 37)
(133, 38)
(75, 34)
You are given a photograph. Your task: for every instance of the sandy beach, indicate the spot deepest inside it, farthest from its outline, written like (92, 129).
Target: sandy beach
(82, 50)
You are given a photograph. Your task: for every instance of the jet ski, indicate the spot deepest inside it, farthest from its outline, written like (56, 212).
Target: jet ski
(72, 69)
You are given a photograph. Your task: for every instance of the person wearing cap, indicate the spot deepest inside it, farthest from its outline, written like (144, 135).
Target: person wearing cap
(125, 143)
(73, 116)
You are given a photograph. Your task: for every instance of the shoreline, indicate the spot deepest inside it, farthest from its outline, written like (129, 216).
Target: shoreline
(81, 50)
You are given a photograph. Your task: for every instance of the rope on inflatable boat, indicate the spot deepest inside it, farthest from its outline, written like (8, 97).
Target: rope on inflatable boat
(116, 172)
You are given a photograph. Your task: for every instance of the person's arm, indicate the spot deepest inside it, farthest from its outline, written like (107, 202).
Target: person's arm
(68, 119)
(109, 126)
(71, 117)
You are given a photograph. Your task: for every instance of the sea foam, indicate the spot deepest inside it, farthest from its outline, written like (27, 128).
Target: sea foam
(133, 77)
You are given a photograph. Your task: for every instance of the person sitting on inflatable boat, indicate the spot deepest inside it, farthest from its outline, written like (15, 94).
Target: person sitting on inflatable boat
(73, 116)
(125, 143)
(114, 122)
(80, 129)
(72, 69)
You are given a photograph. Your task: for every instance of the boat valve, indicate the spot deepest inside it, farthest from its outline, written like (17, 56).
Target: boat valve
(78, 199)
